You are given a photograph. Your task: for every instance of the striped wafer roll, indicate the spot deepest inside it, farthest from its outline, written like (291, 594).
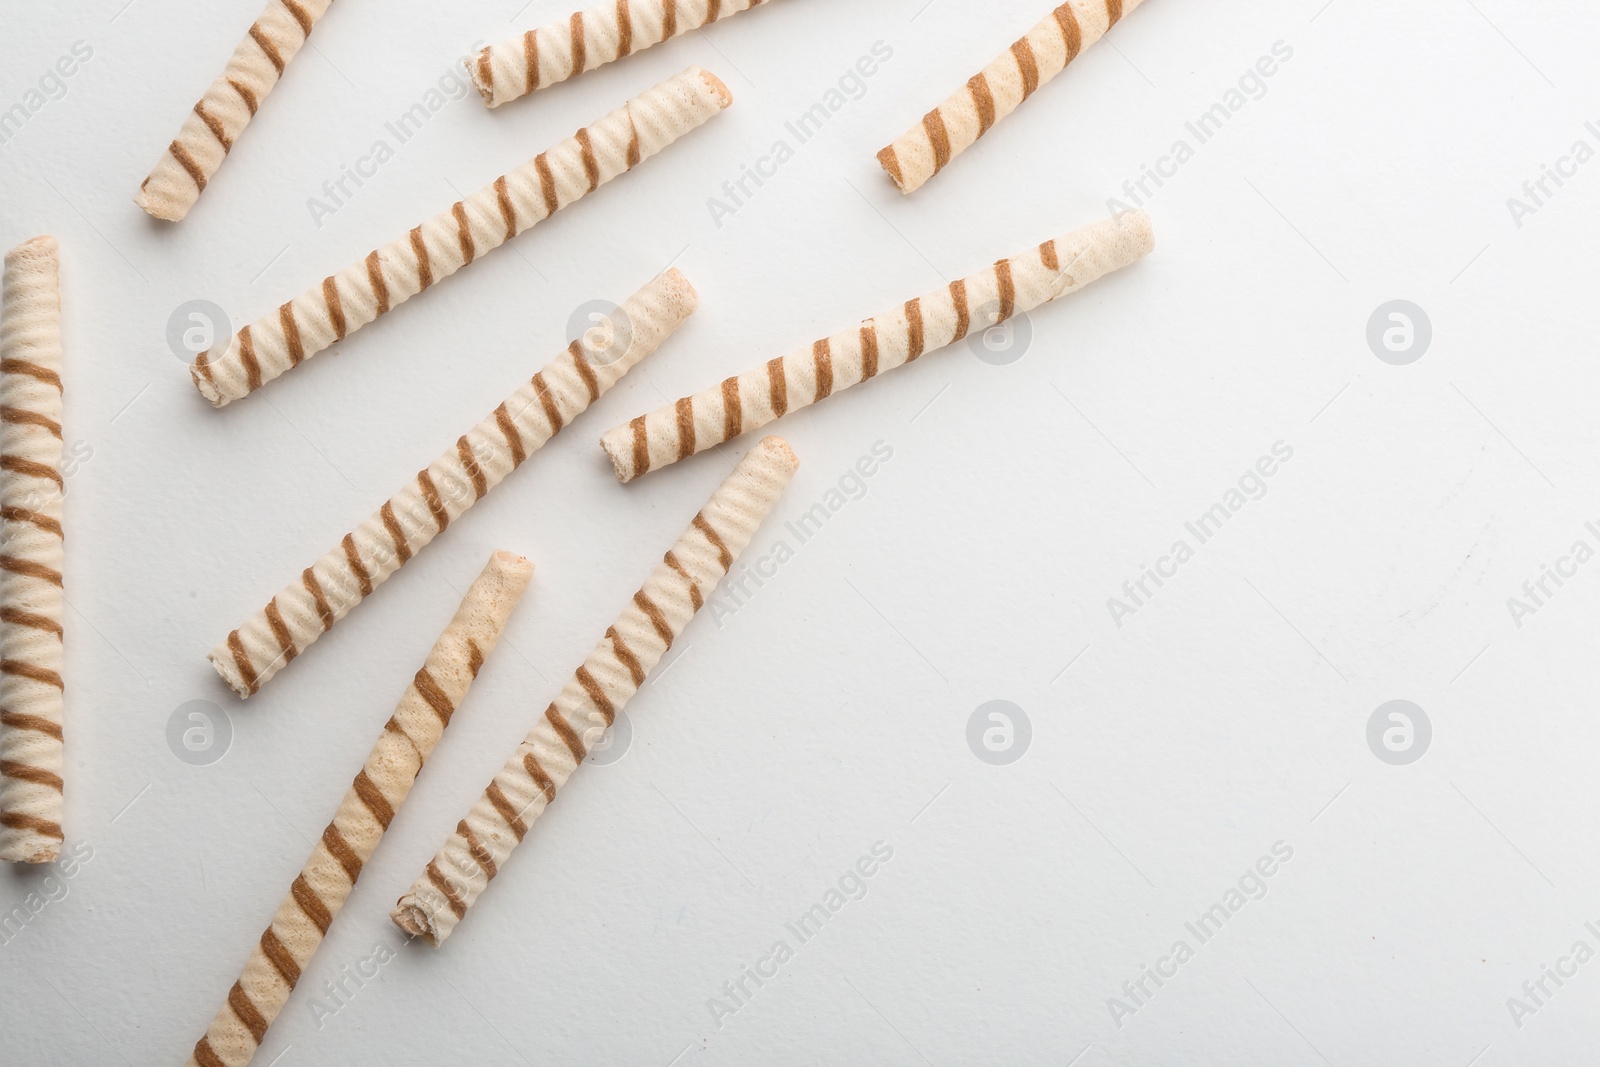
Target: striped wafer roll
(31, 599)
(444, 244)
(755, 398)
(614, 671)
(220, 117)
(955, 125)
(478, 461)
(324, 884)
(585, 40)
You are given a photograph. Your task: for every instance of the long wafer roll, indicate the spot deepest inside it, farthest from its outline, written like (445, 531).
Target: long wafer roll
(217, 121)
(439, 247)
(585, 40)
(999, 89)
(31, 600)
(451, 484)
(614, 671)
(408, 738)
(755, 398)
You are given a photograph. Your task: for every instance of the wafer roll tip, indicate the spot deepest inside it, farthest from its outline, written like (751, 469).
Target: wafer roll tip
(415, 921)
(41, 247)
(717, 87)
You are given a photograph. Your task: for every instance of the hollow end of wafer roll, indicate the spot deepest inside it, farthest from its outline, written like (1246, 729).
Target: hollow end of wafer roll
(45, 853)
(717, 87)
(889, 160)
(416, 921)
(475, 64)
(228, 671)
(203, 383)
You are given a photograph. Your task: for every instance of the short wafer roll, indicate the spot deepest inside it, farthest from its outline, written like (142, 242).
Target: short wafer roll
(444, 244)
(753, 399)
(408, 738)
(31, 588)
(612, 673)
(999, 89)
(217, 121)
(584, 40)
(462, 475)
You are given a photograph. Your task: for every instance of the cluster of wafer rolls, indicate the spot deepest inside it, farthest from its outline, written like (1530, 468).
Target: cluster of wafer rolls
(585, 40)
(487, 219)
(370, 804)
(999, 89)
(609, 677)
(31, 588)
(208, 133)
(450, 485)
(753, 399)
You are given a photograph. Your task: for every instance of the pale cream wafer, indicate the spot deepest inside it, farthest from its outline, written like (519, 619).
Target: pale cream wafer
(614, 671)
(31, 590)
(753, 399)
(585, 40)
(999, 89)
(210, 130)
(441, 246)
(450, 485)
(325, 883)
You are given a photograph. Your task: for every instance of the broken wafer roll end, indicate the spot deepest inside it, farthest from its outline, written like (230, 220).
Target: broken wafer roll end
(503, 581)
(200, 374)
(415, 921)
(481, 76)
(889, 160)
(167, 196)
(717, 87)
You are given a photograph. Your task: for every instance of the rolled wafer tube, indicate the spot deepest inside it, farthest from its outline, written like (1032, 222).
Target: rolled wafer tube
(478, 461)
(217, 121)
(325, 883)
(753, 399)
(31, 600)
(444, 244)
(998, 90)
(585, 40)
(614, 671)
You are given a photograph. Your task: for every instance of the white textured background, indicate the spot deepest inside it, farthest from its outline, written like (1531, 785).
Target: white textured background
(830, 712)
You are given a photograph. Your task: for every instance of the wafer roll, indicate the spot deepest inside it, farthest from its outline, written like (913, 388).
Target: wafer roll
(408, 738)
(220, 117)
(448, 487)
(585, 40)
(439, 247)
(995, 92)
(614, 671)
(755, 398)
(31, 599)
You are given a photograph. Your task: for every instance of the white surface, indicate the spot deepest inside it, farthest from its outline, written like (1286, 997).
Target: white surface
(830, 712)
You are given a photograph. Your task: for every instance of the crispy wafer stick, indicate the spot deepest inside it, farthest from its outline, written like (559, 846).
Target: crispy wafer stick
(441, 246)
(999, 89)
(451, 484)
(755, 398)
(31, 600)
(614, 671)
(216, 122)
(585, 40)
(408, 738)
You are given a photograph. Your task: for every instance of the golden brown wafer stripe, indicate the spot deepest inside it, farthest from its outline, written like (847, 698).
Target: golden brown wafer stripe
(827, 367)
(589, 703)
(214, 125)
(461, 234)
(381, 787)
(996, 91)
(31, 585)
(461, 476)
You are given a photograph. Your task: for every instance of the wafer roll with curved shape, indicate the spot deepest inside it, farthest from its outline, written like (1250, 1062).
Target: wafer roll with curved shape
(325, 883)
(614, 671)
(441, 246)
(450, 485)
(31, 598)
(998, 90)
(539, 58)
(217, 121)
(753, 399)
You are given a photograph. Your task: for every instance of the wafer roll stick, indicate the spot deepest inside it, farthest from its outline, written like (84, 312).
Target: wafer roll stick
(755, 398)
(31, 599)
(325, 883)
(451, 484)
(217, 121)
(998, 90)
(441, 246)
(614, 671)
(585, 40)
